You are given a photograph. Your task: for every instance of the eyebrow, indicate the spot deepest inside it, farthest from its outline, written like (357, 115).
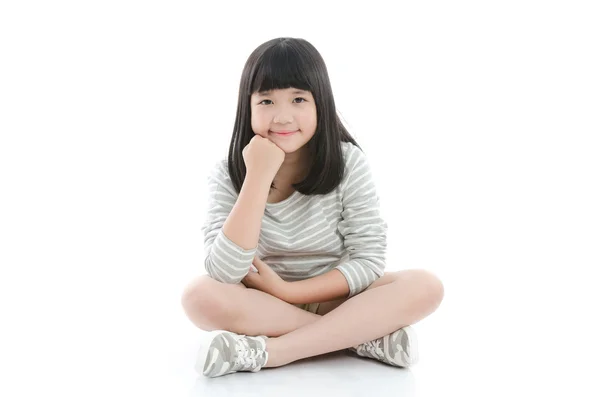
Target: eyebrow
(266, 93)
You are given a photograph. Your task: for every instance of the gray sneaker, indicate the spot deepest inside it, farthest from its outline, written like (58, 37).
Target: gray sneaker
(398, 348)
(224, 352)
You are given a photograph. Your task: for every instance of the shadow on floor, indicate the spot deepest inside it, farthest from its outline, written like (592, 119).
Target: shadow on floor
(337, 373)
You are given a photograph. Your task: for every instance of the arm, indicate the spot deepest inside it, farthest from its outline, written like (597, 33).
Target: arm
(232, 226)
(326, 287)
(365, 239)
(243, 224)
(363, 229)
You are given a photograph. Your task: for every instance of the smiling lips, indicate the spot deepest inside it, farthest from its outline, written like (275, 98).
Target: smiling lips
(284, 133)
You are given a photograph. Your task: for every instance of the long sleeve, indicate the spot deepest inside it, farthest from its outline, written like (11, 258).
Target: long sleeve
(363, 229)
(224, 260)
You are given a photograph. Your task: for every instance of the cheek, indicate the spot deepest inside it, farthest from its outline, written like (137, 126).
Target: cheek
(312, 116)
(311, 122)
(257, 123)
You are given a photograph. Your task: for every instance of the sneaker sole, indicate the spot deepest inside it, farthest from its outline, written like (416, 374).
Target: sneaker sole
(413, 347)
(204, 350)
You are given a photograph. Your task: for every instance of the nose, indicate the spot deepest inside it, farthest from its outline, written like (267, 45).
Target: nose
(283, 116)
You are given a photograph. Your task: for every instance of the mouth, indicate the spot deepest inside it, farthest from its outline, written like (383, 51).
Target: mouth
(283, 133)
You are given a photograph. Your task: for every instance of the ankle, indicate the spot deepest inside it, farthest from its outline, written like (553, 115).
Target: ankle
(273, 355)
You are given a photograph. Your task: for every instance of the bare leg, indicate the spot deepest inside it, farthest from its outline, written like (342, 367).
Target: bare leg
(377, 311)
(211, 305)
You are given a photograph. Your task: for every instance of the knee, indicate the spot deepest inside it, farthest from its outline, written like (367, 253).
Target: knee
(428, 287)
(203, 299)
(433, 288)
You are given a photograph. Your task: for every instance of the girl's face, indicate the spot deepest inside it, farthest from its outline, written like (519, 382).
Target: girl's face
(291, 111)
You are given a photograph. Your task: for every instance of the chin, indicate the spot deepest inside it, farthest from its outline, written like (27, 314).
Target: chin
(290, 148)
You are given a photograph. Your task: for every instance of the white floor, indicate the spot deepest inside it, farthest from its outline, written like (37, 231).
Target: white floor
(334, 373)
(481, 126)
(120, 341)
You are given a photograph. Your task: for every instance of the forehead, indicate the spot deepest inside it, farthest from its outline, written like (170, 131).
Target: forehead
(282, 91)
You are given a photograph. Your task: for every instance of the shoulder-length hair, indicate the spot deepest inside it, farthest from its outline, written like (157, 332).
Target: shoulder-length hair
(283, 63)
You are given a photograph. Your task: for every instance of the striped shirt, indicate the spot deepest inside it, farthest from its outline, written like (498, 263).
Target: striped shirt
(304, 236)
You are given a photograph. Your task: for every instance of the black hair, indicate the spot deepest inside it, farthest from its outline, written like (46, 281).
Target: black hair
(284, 63)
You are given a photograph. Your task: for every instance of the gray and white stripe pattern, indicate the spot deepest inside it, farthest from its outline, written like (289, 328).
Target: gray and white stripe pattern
(304, 236)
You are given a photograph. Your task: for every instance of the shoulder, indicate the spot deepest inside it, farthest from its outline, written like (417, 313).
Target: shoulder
(219, 176)
(352, 154)
(355, 161)
(219, 170)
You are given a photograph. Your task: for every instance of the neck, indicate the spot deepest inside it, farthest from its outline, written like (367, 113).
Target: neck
(293, 169)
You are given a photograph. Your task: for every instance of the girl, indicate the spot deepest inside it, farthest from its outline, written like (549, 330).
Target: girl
(294, 242)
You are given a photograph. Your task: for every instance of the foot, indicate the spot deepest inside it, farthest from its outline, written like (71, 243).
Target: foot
(398, 348)
(224, 352)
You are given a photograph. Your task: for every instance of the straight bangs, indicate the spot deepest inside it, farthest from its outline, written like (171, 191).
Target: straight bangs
(281, 67)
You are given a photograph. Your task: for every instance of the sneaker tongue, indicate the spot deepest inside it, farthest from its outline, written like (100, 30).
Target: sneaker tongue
(252, 352)
(258, 343)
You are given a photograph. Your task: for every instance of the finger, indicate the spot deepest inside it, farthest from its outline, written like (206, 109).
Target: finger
(253, 268)
(257, 262)
(248, 281)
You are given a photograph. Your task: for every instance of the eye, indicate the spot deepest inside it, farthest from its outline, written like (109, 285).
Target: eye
(301, 99)
(264, 100)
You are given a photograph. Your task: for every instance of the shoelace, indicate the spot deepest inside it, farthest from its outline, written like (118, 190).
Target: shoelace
(372, 348)
(246, 356)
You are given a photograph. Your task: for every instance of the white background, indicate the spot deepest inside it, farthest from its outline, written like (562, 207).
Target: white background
(480, 121)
